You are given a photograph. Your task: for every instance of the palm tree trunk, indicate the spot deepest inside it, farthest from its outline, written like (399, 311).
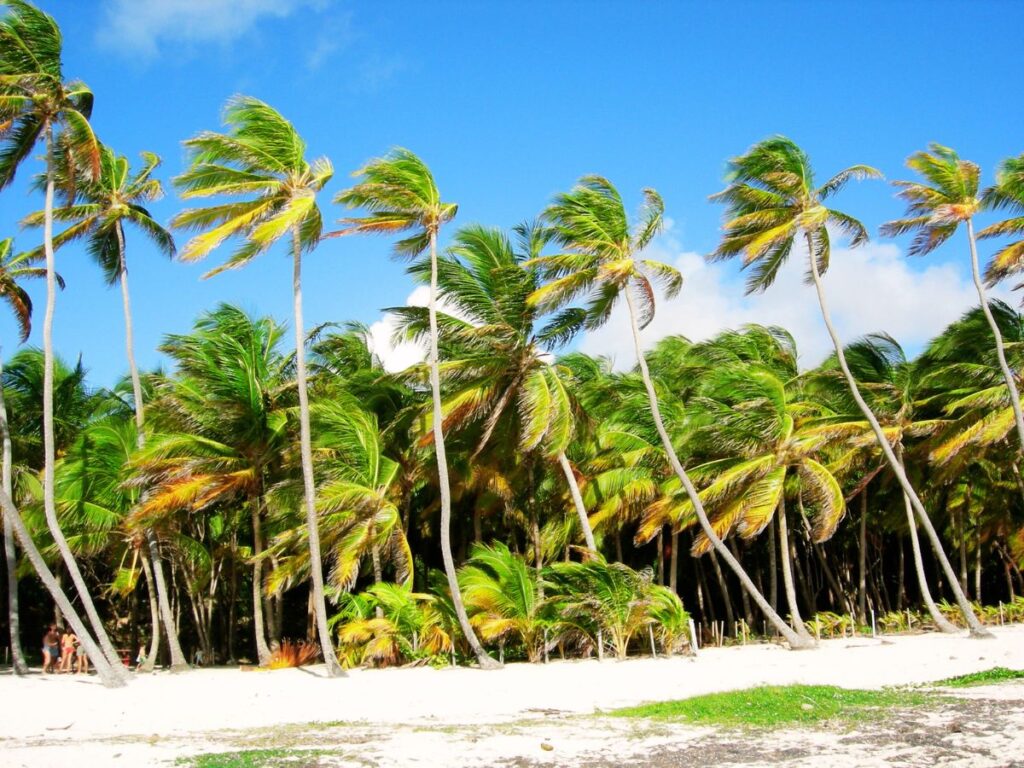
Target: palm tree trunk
(18, 662)
(110, 676)
(977, 568)
(794, 640)
(154, 617)
(485, 661)
(723, 587)
(258, 614)
(962, 531)
(773, 571)
(178, 661)
(577, 500)
(673, 564)
(306, 448)
(976, 629)
(862, 559)
(49, 449)
(1011, 385)
(787, 573)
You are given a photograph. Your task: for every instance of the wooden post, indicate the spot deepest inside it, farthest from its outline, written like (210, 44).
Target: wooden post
(650, 633)
(874, 631)
(693, 638)
(600, 646)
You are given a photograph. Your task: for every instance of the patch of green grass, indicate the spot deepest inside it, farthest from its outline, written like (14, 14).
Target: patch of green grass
(773, 706)
(256, 758)
(994, 675)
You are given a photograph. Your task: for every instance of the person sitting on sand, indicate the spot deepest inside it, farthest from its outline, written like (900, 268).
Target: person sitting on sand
(82, 657)
(51, 651)
(68, 641)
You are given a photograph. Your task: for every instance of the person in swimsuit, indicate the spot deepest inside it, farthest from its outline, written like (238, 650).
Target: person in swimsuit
(51, 651)
(83, 659)
(68, 641)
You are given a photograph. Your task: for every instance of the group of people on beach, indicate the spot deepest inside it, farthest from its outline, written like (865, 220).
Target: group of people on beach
(61, 650)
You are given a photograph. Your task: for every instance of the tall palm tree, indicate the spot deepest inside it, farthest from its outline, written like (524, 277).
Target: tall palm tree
(12, 270)
(262, 159)
(37, 104)
(103, 206)
(604, 263)
(401, 195)
(771, 200)
(497, 347)
(936, 207)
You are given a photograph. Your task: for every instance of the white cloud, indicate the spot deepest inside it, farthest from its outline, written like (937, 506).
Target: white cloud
(872, 288)
(398, 357)
(143, 25)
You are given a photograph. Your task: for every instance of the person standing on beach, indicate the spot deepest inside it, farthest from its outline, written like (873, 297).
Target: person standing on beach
(83, 659)
(51, 651)
(68, 641)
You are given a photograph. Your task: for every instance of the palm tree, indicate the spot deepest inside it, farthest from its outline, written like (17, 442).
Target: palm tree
(37, 104)
(761, 427)
(105, 204)
(771, 200)
(894, 386)
(603, 263)
(1006, 194)
(225, 430)
(936, 207)
(400, 193)
(357, 491)
(262, 159)
(497, 365)
(12, 270)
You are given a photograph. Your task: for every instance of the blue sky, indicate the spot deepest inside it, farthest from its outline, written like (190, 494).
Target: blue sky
(509, 103)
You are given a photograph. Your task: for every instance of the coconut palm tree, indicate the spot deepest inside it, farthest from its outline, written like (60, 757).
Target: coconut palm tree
(103, 207)
(13, 269)
(224, 431)
(771, 201)
(1006, 194)
(893, 385)
(357, 491)
(604, 263)
(262, 159)
(936, 207)
(37, 104)
(761, 427)
(400, 194)
(497, 348)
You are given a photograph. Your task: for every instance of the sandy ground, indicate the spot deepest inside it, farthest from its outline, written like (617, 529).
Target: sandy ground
(455, 717)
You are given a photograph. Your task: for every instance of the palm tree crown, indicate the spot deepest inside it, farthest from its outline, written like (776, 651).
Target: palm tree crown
(770, 199)
(261, 159)
(12, 269)
(1007, 194)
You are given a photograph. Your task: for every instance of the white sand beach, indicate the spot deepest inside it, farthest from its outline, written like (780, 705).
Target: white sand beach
(447, 716)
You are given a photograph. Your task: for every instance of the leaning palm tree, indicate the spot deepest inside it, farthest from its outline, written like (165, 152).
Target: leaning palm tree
(36, 104)
(103, 206)
(771, 201)
(497, 345)
(12, 270)
(262, 160)
(603, 263)
(400, 194)
(936, 207)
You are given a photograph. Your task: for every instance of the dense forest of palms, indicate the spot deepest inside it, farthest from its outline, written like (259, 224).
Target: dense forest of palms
(507, 498)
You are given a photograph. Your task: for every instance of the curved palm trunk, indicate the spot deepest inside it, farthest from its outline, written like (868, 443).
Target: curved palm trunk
(795, 641)
(1011, 385)
(787, 574)
(306, 449)
(485, 661)
(49, 450)
(577, 500)
(976, 629)
(933, 610)
(10, 555)
(111, 677)
(154, 617)
(178, 661)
